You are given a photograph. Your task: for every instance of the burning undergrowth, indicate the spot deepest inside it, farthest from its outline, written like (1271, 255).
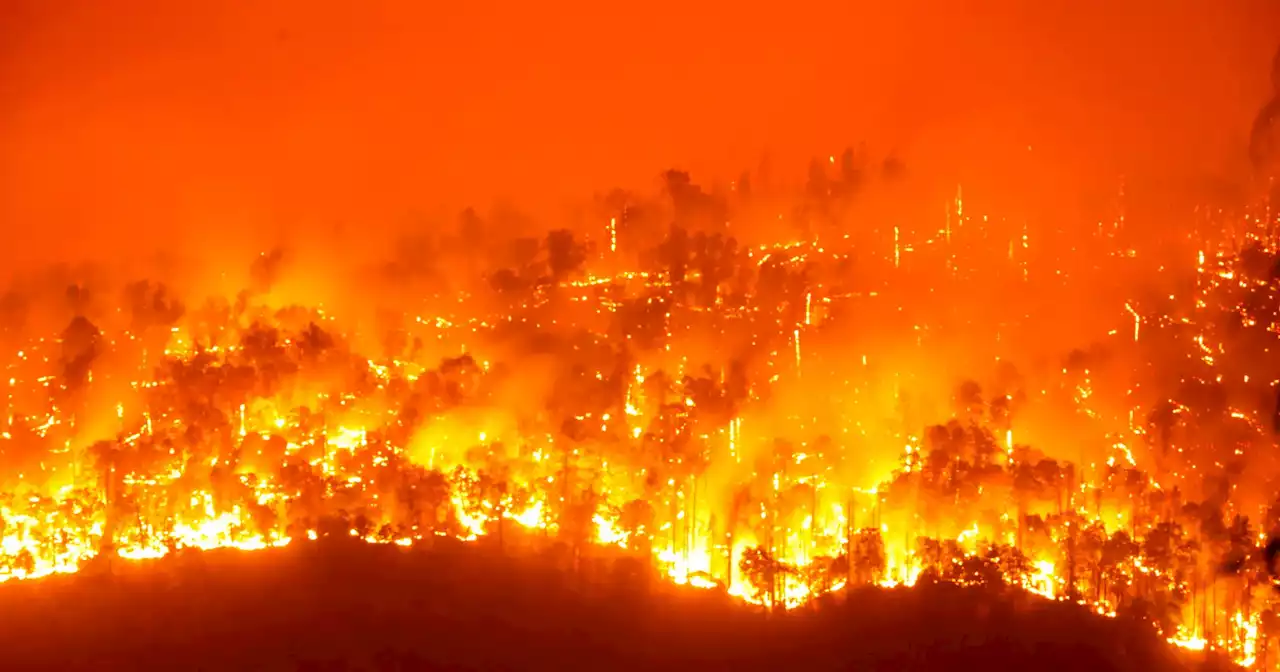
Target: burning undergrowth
(851, 402)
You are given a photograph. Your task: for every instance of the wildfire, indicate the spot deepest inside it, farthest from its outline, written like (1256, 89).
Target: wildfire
(256, 428)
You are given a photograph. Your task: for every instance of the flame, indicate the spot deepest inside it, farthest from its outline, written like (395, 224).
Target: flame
(661, 459)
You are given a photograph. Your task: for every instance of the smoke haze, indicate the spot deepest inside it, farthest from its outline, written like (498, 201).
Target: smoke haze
(214, 126)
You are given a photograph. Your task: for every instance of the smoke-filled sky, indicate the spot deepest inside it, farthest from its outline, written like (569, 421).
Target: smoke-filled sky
(157, 123)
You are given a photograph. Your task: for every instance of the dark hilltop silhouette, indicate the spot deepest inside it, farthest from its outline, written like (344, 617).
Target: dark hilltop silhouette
(338, 605)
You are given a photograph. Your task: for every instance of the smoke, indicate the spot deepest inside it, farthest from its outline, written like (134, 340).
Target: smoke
(217, 132)
(328, 158)
(1262, 143)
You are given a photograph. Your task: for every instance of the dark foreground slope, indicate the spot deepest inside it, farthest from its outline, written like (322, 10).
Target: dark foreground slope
(339, 606)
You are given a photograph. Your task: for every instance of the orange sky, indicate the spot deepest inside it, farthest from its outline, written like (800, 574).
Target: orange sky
(148, 120)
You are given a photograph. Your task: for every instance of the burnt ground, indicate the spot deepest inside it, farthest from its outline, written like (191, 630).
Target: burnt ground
(349, 606)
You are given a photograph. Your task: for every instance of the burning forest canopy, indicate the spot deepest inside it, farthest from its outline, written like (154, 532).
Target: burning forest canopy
(795, 383)
(1084, 416)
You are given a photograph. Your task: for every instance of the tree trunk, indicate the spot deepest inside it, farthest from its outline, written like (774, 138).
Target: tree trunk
(728, 581)
(848, 547)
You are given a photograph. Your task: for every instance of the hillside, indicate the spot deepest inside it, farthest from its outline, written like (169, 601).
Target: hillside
(339, 606)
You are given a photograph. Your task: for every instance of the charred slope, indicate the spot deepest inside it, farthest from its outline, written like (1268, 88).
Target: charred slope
(338, 606)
